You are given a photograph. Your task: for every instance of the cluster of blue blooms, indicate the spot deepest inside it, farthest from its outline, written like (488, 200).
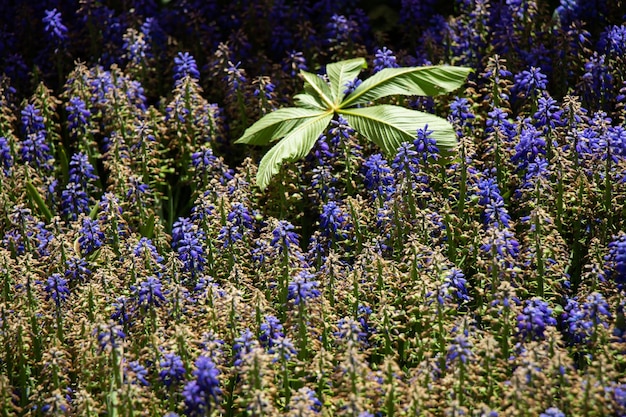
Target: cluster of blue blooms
(142, 272)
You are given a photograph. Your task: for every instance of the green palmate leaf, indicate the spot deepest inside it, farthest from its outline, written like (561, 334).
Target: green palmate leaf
(420, 81)
(317, 87)
(341, 73)
(296, 145)
(388, 126)
(309, 102)
(277, 124)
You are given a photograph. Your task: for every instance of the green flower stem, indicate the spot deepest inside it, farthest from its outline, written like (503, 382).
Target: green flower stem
(303, 353)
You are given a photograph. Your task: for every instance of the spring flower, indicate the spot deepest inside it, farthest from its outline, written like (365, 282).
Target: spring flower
(495, 213)
(35, 149)
(460, 111)
(615, 266)
(74, 201)
(406, 160)
(136, 373)
(78, 114)
(426, 145)
(172, 369)
(201, 394)
(339, 28)
(185, 65)
(270, 330)
(351, 85)
(459, 350)
(235, 77)
(186, 239)
(110, 336)
(283, 348)
(77, 269)
(456, 285)
(303, 287)
(534, 319)
(149, 293)
(294, 63)
(122, 310)
(552, 412)
(91, 238)
(378, 176)
(548, 113)
(81, 171)
(531, 146)
(384, 58)
(332, 221)
(243, 345)
(57, 288)
(614, 41)
(284, 236)
(530, 82)
(6, 158)
(54, 26)
(303, 402)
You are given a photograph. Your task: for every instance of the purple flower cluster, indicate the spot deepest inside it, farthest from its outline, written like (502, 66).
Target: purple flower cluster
(535, 318)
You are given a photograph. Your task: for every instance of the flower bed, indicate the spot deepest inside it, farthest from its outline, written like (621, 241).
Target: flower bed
(143, 271)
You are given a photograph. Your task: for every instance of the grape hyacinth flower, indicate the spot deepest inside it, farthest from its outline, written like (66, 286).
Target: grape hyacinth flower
(35, 149)
(270, 331)
(74, 201)
(304, 402)
(150, 293)
(406, 160)
(136, 47)
(378, 176)
(530, 83)
(459, 350)
(384, 58)
(54, 26)
(351, 85)
(77, 269)
(283, 348)
(552, 412)
(455, 284)
(136, 373)
(548, 115)
(460, 111)
(78, 115)
(110, 336)
(57, 288)
(201, 394)
(531, 146)
(81, 171)
(6, 158)
(495, 213)
(91, 238)
(243, 345)
(534, 319)
(615, 261)
(32, 120)
(333, 221)
(303, 287)
(426, 145)
(235, 77)
(172, 369)
(284, 237)
(122, 311)
(186, 240)
(295, 63)
(185, 66)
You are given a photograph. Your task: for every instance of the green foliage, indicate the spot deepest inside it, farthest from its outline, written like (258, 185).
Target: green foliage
(386, 125)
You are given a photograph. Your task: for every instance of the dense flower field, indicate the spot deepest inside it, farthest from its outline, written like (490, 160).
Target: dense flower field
(142, 271)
